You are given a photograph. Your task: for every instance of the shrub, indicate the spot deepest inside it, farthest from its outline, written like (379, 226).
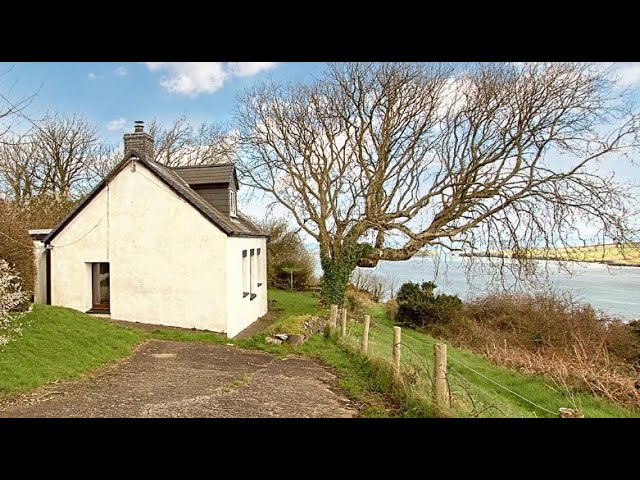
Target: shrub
(16, 246)
(287, 257)
(392, 308)
(11, 298)
(369, 282)
(358, 301)
(419, 307)
(46, 210)
(555, 335)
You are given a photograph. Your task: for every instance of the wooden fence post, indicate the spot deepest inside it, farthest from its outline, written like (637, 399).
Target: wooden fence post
(344, 322)
(364, 346)
(397, 335)
(440, 389)
(333, 319)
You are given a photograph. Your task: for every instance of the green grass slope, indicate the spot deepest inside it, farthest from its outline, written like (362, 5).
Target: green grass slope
(61, 344)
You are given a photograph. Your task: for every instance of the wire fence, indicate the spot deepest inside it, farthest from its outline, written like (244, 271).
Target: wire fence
(471, 392)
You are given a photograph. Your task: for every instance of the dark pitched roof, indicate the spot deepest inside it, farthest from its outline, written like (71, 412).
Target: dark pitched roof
(206, 174)
(240, 226)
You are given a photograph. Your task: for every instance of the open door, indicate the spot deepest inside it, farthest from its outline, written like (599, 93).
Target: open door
(100, 280)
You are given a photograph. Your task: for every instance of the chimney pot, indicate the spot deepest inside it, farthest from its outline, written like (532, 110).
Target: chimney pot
(139, 140)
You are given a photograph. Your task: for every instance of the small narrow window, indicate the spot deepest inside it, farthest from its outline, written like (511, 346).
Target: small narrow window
(100, 287)
(233, 206)
(245, 276)
(252, 274)
(259, 267)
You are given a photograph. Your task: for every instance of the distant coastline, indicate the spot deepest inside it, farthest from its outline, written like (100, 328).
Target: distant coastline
(607, 254)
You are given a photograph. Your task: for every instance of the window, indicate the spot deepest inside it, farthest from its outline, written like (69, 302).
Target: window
(233, 204)
(259, 267)
(252, 274)
(245, 276)
(100, 286)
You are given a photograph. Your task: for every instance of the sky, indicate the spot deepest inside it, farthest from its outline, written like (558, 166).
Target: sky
(114, 95)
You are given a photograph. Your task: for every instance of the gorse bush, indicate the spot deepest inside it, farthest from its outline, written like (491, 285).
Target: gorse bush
(418, 306)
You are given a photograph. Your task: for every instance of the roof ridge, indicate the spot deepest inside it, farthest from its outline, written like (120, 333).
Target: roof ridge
(174, 181)
(204, 166)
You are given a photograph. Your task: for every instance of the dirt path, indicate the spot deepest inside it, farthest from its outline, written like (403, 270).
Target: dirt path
(180, 379)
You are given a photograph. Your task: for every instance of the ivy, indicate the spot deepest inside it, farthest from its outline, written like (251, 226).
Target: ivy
(337, 271)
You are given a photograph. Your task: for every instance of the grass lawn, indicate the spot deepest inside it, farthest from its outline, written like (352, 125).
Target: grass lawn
(61, 344)
(472, 393)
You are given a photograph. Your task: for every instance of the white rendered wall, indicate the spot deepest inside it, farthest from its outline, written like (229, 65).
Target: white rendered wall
(40, 285)
(242, 310)
(167, 262)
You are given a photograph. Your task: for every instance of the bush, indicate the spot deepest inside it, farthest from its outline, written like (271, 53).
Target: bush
(46, 210)
(419, 307)
(11, 298)
(392, 309)
(555, 335)
(368, 282)
(357, 301)
(287, 256)
(16, 246)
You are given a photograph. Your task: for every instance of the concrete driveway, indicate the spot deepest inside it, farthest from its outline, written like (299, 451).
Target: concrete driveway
(180, 379)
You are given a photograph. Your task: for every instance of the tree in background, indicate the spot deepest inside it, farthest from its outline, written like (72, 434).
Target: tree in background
(67, 154)
(379, 286)
(19, 169)
(183, 143)
(376, 161)
(16, 246)
(288, 261)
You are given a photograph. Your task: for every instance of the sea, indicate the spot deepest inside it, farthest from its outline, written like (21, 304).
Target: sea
(612, 290)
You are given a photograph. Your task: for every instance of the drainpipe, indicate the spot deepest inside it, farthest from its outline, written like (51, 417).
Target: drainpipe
(47, 258)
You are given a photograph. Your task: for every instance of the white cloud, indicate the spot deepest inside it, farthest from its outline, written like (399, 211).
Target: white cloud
(249, 69)
(117, 124)
(194, 78)
(629, 74)
(121, 71)
(93, 76)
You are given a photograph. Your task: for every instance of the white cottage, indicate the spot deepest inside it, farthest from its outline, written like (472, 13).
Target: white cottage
(158, 245)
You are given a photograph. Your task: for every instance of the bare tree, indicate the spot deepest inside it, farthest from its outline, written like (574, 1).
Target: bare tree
(17, 179)
(182, 143)
(368, 282)
(19, 169)
(379, 286)
(11, 110)
(67, 152)
(391, 284)
(376, 161)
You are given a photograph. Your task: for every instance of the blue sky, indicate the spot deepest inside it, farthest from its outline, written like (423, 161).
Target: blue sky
(123, 92)
(113, 95)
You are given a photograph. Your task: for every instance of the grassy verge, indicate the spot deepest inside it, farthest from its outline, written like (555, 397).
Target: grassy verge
(473, 394)
(61, 344)
(368, 381)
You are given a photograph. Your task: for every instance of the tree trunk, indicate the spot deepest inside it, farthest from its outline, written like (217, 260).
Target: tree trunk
(337, 267)
(335, 280)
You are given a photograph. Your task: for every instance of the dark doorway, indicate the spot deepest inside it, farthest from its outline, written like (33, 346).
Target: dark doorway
(100, 281)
